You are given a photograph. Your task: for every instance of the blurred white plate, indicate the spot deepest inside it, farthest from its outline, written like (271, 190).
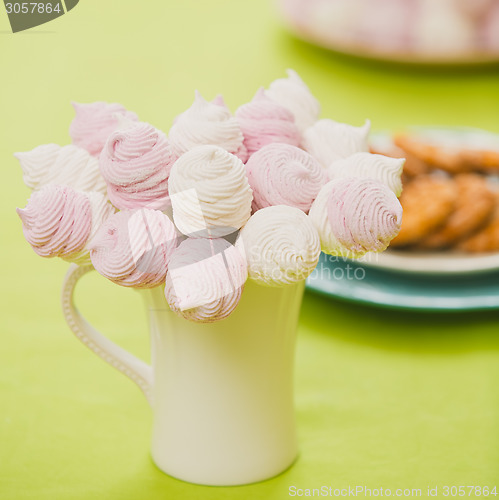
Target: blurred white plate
(447, 262)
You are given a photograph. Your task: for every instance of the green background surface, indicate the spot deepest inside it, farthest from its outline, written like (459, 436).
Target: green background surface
(383, 398)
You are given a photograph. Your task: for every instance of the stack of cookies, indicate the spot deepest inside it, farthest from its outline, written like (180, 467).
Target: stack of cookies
(451, 191)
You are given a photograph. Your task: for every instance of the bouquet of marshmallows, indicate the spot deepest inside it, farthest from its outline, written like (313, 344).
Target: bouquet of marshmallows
(221, 199)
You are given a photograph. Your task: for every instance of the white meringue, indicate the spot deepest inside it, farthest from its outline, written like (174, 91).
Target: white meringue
(210, 193)
(293, 94)
(66, 165)
(207, 123)
(281, 245)
(356, 216)
(329, 141)
(370, 166)
(205, 279)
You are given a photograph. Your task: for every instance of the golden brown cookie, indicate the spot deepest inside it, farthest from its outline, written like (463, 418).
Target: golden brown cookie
(487, 238)
(451, 158)
(427, 202)
(474, 205)
(484, 161)
(438, 156)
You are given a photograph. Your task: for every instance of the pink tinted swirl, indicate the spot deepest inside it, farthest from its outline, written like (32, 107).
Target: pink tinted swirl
(94, 122)
(281, 174)
(364, 214)
(57, 221)
(264, 121)
(136, 165)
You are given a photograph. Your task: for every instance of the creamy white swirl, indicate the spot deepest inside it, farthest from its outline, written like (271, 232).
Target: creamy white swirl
(329, 141)
(136, 164)
(205, 279)
(370, 166)
(280, 174)
(281, 245)
(207, 123)
(210, 192)
(133, 247)
(94, 123)
(293, 94)
(66, 165)
(356, 216)
(59, 221)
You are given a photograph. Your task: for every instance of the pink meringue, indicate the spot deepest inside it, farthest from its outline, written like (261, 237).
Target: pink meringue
(207, 123)
(263, 121)
(133, 248)
(57, 221)
(67, 165)
(281, 174)
(136, 164)
(205, 279)
(356, 216)
(94, 122)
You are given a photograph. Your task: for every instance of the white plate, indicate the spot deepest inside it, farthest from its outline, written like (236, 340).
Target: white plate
(432, 262)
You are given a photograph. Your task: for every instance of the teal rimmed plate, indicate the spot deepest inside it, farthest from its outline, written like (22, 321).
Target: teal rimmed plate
(365, 284)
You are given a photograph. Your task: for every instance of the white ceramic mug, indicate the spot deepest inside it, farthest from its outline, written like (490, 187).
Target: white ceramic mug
(221, 393)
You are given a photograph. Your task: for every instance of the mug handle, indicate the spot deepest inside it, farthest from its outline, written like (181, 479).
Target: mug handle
(134, 368)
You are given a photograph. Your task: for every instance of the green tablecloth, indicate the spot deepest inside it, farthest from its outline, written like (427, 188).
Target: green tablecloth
(383, 399)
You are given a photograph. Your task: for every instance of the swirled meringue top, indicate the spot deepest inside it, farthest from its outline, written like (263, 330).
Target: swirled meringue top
(293, 94)
(136, 164)
(133, 247)
(263, 121)
(205, 279)
(207, 123)
(356, 216)
(281, 245)
(210, 192)
(370, 166)
(58, 221)
(94, 122)
(67, 165)
(329, 141)
(280, 174)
